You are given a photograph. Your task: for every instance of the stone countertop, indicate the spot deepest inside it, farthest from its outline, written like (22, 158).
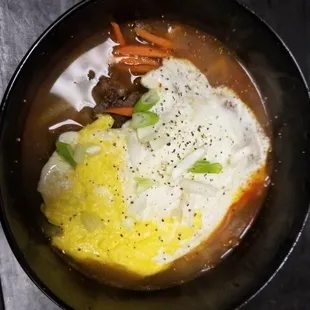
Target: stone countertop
(22, 21)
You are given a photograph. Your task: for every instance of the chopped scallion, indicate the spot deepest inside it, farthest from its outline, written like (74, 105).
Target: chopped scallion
(65, 150)
(143, 184)
(144, 119)
(147, 101)
(204, 166)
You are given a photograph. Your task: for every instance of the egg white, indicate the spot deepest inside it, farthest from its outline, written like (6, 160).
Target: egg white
(198, 121)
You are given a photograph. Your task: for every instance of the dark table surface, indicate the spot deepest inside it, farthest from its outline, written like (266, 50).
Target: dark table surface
(22, 21)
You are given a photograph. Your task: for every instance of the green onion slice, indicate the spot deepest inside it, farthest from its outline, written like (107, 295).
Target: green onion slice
(143, 184)
(147, 101)
(204, 166)
(65, 150)
(144, 119)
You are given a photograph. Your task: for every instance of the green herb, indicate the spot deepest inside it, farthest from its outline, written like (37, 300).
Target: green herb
(144, 119)
(204, 166)
(143, 184)
(65, 150)
(147, 101)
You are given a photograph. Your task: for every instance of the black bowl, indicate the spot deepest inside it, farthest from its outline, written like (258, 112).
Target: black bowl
(279, 224)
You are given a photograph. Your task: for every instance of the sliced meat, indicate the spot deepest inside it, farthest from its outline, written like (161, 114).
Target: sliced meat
(120, 101)
(107, 92)
(111, 93)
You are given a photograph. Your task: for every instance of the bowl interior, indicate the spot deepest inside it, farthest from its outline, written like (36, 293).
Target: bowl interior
(275, 230)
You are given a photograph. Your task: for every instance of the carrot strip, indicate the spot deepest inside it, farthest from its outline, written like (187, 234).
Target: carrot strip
(125, 111)
(153, 38)
(133, 61)
(138, 69)
(141, 50)
(118, 33)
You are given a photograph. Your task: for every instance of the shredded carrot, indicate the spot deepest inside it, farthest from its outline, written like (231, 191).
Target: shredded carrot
(134, 61)
(153, 38)
(141, 50)
(138, 69)
(125, 111)
(118, 33)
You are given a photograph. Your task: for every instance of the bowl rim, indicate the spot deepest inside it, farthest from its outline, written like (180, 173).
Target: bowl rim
(5, 223)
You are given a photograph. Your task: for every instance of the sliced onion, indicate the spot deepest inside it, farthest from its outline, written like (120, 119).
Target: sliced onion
(139, 205)
(187, 163)
(105, 192)
(70, 137)
(135, 149)
(184, 203)
(79, 154)
(159, 142)
(93, 150)
(196, 187)
(146, 134)
(128, 223)
(177, 213)
(91, 221)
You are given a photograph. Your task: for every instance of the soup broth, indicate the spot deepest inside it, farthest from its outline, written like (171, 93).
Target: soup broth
(53, 113)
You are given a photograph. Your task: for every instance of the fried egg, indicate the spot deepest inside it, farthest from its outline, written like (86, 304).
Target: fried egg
(134, 204)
